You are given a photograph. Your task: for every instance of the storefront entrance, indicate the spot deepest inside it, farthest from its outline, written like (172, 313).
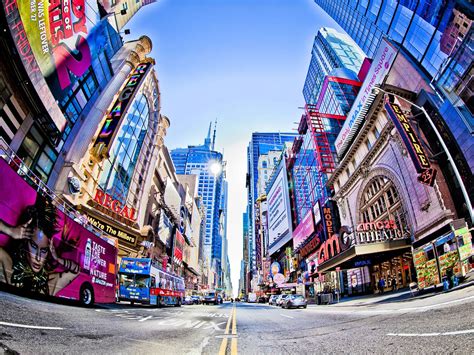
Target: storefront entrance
(396, 273)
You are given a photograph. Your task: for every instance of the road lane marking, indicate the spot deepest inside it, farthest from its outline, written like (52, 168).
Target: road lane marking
(29, 326)
(223, 348)
(146, 318)
(457, 332)
(439, 304)
(284, 315)
(233, 344)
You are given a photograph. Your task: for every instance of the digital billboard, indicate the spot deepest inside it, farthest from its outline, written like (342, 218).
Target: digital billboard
(279, 213)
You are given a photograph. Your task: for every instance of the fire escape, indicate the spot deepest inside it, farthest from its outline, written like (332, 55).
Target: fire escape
(322, 150)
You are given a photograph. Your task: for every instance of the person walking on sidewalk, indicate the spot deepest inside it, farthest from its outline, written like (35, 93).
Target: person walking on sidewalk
(382, 285)
(394, 284)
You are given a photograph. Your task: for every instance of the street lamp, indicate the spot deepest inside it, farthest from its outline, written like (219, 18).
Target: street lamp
(443, 144)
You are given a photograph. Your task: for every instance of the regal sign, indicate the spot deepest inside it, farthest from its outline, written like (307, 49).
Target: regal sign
(420, 159)
(114, 117)
(115, 206)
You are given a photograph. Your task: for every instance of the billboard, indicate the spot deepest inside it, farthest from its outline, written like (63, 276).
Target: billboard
(383, 60)
(304, 230)
(279, 213)
(59, 40)
(43, 250)
(178, 247)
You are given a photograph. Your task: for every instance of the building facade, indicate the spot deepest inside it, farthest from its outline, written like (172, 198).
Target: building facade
(209, 166)
(384, 207)
(435, 38)
(261, 143)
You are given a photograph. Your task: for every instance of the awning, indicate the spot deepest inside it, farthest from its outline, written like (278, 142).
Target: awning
(343, 259)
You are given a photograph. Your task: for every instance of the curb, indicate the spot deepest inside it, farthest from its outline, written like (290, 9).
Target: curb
(413, 298)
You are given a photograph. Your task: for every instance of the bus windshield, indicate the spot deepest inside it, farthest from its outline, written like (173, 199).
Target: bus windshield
(141, 281)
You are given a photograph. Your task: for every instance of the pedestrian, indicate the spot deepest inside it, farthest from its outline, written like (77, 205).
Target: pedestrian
(394, 284)
(382, 285)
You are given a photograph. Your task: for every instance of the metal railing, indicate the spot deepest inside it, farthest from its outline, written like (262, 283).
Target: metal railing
(17, 164)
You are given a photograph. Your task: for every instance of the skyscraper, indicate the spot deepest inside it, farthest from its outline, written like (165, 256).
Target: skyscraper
(331, 86)
(261, 143)
(430, 34)
(331, 51)
(207, 164)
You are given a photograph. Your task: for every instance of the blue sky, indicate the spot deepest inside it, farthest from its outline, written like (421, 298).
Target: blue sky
(243, 62)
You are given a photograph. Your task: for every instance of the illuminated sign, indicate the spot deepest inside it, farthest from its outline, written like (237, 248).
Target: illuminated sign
(112, 231)
(379, 68)
(365, 233)
(328, 221)
(310, 247)
(120, 106)
(108, 202)
(420, 159)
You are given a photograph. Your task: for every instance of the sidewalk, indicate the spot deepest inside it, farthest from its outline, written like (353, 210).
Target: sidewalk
(402, 295)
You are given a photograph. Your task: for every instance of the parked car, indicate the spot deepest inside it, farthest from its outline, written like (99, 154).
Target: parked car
(295, 301)
(280, 299)
(188, 300)
(262, 299)
(272, 300)
(196, 299)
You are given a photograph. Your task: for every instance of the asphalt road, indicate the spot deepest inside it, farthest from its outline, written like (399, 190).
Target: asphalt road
(439, 324)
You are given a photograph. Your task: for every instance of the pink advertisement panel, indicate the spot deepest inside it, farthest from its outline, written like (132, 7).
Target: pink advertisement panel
(304, 230)
(42, 250)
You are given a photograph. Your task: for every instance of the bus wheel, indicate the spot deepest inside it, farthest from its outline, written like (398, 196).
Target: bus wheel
(87, 295)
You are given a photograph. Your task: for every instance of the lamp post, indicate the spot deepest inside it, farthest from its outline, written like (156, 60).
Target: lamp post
(445, 148)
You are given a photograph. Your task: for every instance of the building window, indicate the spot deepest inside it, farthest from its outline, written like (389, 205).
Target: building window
(119, 168)
(376, 133)
(37, 154)
(381, 202)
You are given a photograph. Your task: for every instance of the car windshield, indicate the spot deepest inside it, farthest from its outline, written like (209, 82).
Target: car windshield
(211, 294)
(298, 297)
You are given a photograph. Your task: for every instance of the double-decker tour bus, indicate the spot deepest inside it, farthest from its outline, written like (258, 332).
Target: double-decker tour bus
(142, 281)
(45, 247)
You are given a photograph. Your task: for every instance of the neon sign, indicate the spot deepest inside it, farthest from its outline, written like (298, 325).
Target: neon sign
(420, 159)
(114, 117)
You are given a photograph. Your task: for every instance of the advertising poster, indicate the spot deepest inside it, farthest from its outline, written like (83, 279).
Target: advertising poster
(279, 214)
(178, 247)
(381, 65)
(304, 230)
(44, 251)
(165, 228)
(61, 39)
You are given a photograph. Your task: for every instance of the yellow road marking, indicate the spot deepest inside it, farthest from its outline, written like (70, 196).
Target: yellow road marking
(233, 344)
(223, 347)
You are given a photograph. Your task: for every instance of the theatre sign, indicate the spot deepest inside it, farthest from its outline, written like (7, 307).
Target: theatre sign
(364, 233)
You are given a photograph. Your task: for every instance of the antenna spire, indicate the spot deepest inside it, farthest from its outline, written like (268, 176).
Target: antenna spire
(214, 136)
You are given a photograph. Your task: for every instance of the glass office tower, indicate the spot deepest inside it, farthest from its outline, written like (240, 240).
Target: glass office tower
(200, 161)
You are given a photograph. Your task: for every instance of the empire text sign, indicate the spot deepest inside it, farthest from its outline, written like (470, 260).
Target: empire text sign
(410, 138)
